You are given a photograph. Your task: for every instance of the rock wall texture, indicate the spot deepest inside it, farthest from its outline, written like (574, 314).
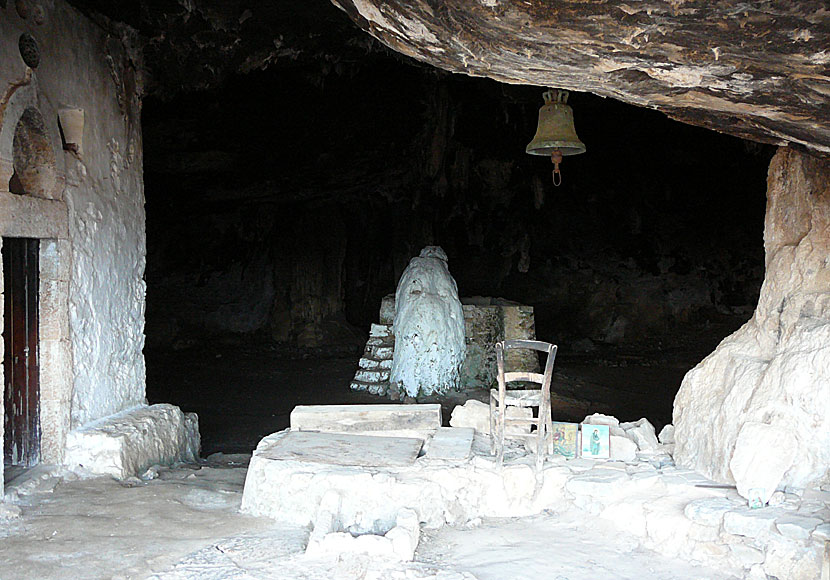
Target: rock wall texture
(772, 376)
(755, 70)
(429, 327)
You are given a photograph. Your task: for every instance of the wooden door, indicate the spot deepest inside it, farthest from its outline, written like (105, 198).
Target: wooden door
(21, 397)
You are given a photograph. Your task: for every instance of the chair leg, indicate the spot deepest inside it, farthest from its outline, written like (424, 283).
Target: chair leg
(493, 411)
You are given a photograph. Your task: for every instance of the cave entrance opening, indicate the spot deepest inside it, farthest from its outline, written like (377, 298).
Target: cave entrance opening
(21, 368)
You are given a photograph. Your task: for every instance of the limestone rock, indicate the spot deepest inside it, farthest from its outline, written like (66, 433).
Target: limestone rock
(666, 436)
(642, 433)
(428, 327)
(622, 448)
(750, 523)
(796, 527)
(476, 414)
(746, 556)
(775, 370)
(600, 419)
(762, 456)
(708, 511)
(792, 560)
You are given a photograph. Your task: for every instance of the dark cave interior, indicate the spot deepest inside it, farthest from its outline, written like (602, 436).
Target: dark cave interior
(283, 204)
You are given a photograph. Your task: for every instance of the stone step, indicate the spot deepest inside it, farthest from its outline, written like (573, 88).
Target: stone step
(380, 341)
(380, 330)
(374, 364)
(372, 376)
(373, 388)
(380, 352)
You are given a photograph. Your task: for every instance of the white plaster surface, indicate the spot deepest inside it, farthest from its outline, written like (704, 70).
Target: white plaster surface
(95, 210)
(428, 327)
(127, 443)
(775, 370)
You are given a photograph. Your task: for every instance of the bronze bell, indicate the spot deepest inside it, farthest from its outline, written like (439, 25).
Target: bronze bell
(555, 134)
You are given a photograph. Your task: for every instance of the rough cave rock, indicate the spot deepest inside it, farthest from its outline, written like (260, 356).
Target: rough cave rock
(755, 70)
(429, 327)
(775, 370)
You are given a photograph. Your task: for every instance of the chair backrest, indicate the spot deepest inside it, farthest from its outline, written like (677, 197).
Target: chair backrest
(542, 379)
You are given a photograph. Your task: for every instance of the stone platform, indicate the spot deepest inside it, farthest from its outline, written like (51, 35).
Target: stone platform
(674, 511)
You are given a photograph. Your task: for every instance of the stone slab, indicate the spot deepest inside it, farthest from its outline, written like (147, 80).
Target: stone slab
(344, 449)
(127, 443)
(451, 443)
(357, 418)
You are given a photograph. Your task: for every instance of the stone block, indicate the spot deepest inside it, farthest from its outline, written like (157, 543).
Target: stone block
(372, 364)
(476, 414)
(372, 375)
(763, 453)
(357, 418)
(380, 330)
(127, 443)
(750, 523)
(598, 483)
(622, 448)
(600, 419)
(793, 560)
(667, 526)
(642, 433)
(796, 527)
(666, 436)
(452, 443)
(31, 217)
(745, 556)
(708, 511)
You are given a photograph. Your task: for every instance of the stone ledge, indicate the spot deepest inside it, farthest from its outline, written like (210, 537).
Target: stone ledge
(127, 443)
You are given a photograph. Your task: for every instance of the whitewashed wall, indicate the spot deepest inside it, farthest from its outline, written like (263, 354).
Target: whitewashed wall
(92, 221)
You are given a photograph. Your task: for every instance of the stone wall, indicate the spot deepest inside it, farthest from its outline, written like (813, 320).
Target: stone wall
(757, 410)
(487, 321)
(84, 200)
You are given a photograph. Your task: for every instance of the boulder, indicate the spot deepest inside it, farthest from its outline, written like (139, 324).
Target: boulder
(775, 370)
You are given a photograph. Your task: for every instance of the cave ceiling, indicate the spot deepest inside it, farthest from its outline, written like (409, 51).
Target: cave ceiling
(756, 70)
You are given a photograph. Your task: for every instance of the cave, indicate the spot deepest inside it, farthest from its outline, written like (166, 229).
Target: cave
(221, 196)
(283, 205)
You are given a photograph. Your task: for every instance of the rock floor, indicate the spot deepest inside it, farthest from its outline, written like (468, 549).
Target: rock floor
(184, 524)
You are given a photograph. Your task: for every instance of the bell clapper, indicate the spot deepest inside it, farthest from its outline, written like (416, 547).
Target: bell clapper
(556, 158)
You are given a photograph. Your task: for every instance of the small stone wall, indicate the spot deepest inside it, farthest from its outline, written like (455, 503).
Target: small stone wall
(487, 321)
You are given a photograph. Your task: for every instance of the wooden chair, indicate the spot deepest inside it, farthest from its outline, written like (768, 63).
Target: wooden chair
(502, 398)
